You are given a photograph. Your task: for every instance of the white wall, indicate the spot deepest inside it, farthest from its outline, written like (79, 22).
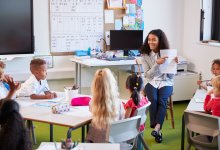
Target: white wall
(199, 55)
(166, 15)
(19, 67)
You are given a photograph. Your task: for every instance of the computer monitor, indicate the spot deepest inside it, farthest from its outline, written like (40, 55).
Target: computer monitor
(126, 39)
(16, 27)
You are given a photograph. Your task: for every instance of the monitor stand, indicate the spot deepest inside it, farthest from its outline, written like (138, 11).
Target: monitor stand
(126, 52)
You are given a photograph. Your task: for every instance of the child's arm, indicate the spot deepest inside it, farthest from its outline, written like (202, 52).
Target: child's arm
(128, 112)
(199, 83)
(208, 102)
(47, 96)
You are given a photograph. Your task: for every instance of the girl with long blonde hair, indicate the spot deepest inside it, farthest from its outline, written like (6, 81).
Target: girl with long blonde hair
(105, 105)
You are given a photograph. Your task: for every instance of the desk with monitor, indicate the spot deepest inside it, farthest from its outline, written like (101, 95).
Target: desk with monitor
(94, 62)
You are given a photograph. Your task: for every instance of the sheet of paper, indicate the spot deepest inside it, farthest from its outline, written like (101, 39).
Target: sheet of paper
(131, 20)
(118, 24)
(132, 9)
(127, 9)
(115, 3)
(25, 103)
(169, 66)
(125, 21)
(109, 16)
(200, 95)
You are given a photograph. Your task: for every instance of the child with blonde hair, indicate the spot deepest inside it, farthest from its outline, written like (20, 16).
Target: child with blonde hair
(37, 83)
(7, 85)
(212, 104)
(104, 106)
(215, 69)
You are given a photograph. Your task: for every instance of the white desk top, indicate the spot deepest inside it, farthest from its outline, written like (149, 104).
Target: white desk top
(81, 146)
(37, 110)
(195, 104)
(94, 62)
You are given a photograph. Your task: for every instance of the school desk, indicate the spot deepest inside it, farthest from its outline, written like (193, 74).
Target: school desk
(40, 111)
(81, 146)
(192, 106)
(94, 62)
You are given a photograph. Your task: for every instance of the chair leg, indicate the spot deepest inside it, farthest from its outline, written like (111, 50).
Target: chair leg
(143, 142)
(171, 112)
(166, 115)
(188, 146)
(31, 128)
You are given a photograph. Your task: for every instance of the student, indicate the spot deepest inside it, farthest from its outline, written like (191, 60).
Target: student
(37, 83)
(159, 86)
(134, 84)
(13, 135)
(212, 105)
(104, 106)
(7, 86)
(215, 69)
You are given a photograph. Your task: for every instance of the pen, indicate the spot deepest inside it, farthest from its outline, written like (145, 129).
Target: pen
(205, 80)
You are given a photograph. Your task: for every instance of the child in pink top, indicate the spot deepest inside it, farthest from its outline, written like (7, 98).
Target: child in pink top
(134, 84)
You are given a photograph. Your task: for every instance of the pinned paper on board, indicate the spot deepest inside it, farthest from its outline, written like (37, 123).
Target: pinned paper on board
(109, 16)
(127, 9)
(115, 3)
(125, 21)
(139, 14)
(133, 1)
(132, 9)
(139, 3)
(118, 24)
(131, 20)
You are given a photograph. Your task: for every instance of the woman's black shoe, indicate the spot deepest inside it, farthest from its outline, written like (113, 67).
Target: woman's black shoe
(154, 133)
(159, 138)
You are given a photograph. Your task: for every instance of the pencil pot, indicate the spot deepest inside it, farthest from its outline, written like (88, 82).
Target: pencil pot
(70, 93)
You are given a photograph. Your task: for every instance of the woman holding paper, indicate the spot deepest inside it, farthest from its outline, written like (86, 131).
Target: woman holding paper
(159, 86)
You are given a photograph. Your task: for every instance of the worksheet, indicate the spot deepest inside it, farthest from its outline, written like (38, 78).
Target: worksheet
(170, 65)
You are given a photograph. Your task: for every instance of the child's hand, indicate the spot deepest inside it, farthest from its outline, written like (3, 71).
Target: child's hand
(210, 92)
(199, 82)
(13, 85)
(50, 96)
(54, 94)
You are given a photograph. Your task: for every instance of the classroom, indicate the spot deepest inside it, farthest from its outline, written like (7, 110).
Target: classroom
(158, 62)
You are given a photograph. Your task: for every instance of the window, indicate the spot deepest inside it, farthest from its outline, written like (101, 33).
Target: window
(210, 20)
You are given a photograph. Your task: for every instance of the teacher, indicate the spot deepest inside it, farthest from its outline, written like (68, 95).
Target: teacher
(159, 86)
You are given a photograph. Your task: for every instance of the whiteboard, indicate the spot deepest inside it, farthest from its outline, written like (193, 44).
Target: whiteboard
(75, 24)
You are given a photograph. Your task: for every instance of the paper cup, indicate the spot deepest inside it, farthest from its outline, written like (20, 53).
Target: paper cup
(69, 93)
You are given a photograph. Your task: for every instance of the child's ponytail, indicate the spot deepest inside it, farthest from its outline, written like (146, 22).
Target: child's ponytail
(135, 96)
(134, 83)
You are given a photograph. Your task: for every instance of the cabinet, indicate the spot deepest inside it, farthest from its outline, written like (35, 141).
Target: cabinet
(183, 89)
(184, 85)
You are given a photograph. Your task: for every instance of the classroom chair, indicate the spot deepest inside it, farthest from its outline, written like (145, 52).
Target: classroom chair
(142, 111)
(170, 107)
(124, 130)
(203, 130)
